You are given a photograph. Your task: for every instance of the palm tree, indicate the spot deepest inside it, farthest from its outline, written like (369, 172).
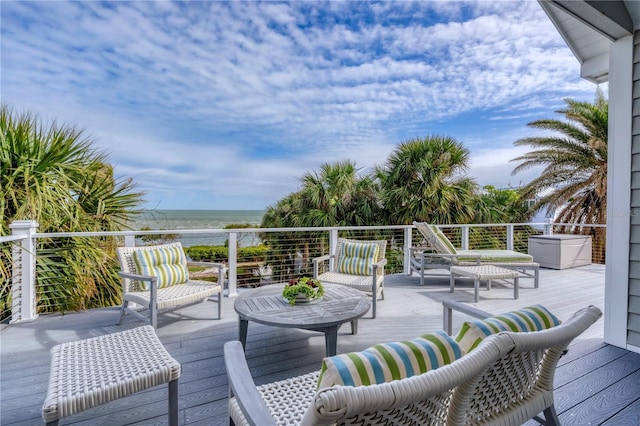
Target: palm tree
(336, 195)
(423, 179)
(574, 178)
(52, 174)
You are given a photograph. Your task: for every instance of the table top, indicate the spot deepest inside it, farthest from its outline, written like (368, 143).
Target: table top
(266, 305)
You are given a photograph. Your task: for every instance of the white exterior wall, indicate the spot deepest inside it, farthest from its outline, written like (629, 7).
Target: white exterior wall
(623, 259)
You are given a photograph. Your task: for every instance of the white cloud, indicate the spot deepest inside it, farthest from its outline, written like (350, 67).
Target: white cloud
(238, 99)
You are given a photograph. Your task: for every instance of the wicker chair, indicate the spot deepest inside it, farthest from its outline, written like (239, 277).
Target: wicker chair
(154, 298)
(506, 380)
(444, 255)
(371, 283)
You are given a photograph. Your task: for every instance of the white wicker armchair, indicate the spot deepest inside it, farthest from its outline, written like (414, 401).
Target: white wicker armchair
(506, 380)
(370, 282)
(154, 298)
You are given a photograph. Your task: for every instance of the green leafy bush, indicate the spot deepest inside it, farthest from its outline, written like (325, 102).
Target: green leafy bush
(207, 253)
(221, 253)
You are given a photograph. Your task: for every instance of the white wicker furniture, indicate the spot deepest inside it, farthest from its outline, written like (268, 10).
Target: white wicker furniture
(155, 298)
(484, 273)
(372, 283)
(444, 255)
(91, 372)
(506, 380)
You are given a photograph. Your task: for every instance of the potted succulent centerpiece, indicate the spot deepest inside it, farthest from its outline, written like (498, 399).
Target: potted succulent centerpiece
(302, 290)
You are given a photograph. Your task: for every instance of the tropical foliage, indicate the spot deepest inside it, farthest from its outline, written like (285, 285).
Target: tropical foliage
(51, 173)
(424, 180)
(339, 194)
(573, 182)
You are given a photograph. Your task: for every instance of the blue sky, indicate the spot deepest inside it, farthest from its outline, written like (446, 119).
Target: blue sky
(226, 104)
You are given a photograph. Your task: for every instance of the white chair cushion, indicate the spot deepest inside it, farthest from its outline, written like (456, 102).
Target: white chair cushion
(359, 282)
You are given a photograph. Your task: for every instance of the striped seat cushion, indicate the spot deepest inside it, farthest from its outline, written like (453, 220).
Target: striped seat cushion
(531, 318)
(389, 361)
(168, 264)
(357, 258)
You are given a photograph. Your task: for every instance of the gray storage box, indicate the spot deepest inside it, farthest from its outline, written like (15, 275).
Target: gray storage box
(560, 251)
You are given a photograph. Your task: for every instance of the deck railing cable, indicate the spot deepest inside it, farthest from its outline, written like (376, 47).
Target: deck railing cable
(255, 256)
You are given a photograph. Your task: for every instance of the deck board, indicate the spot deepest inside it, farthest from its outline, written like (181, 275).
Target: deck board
(596, 383)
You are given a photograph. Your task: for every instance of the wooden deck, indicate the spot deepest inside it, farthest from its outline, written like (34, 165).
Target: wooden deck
(596, 383)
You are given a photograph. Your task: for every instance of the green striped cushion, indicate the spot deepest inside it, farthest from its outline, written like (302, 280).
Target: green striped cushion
(169, 264)
(436, 238)
(490, 255)
(389, 361)
(357, 258)
(531, 318)
(444, 241)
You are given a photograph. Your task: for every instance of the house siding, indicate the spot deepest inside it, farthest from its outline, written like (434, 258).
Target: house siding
(633, 320)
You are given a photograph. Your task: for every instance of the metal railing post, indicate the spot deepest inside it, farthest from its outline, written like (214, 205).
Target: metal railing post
(465, 237)
(129, 240)
(548, 228)
(408, 242)
(510, 229)
(333, 245)
(233, 264)
(23, 280)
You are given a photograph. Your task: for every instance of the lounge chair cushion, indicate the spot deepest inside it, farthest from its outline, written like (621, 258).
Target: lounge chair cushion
(498, 256)
(389, 361)
(436, 238)
(531, 318)
(357, 258)
(169, 264)
(443, 240)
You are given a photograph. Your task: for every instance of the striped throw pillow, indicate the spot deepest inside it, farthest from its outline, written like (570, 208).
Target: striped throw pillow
(389, 361)
(531, 318)
(169, 264)
(357, 258)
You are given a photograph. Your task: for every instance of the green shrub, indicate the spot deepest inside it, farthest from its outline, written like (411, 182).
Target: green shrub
(221, 253)
(207, 253)
(253, 253)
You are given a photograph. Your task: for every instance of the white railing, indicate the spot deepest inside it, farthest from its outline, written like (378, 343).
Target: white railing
(401, 238)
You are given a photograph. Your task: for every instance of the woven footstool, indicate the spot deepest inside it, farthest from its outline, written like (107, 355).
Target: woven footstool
(484, 273)
(91, 372)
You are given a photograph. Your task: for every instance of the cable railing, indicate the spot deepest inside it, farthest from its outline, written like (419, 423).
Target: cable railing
(254, 257)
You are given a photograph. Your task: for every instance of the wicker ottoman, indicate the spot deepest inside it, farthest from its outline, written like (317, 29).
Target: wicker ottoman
(484, 273)
(91, 372)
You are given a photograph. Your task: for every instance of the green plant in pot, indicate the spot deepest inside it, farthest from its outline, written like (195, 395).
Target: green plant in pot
(302, 290)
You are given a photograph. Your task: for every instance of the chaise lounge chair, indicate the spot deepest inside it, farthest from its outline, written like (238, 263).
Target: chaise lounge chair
(445, 255)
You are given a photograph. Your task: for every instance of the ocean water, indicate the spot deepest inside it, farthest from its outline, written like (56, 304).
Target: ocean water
(200, 219)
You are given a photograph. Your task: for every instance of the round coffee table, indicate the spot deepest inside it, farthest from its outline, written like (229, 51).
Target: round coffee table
(265, 305)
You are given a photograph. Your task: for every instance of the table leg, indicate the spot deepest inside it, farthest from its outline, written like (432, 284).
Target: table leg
(331, 340)
(516, 287)
(452, 282)
(243, 326)
(354, 326)
(476, 288)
